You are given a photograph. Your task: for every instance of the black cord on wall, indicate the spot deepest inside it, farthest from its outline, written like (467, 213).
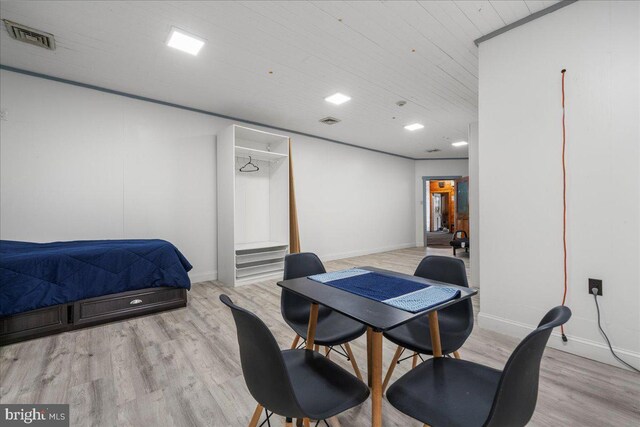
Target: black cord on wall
(594, 291)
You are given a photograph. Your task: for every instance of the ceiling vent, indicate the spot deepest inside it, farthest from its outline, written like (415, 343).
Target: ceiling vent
(30, 35)
(329, 120)
(433, 150)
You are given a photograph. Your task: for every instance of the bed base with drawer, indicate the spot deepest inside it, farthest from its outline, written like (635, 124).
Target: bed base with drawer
(89, 312)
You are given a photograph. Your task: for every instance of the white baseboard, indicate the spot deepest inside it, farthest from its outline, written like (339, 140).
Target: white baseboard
(579, 346)
(342, 255)
(204, 276)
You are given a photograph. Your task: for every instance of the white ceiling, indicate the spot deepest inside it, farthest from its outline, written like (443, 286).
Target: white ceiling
(274, 62)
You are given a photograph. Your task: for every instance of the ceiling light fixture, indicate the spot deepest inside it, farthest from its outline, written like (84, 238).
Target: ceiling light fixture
(181, 40)
(414, 126)
(337, 98)
(459, 144)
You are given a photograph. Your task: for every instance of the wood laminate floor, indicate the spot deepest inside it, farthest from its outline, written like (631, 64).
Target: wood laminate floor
(182, 368)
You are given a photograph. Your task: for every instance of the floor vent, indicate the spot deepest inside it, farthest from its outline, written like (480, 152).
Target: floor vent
(30, 35)
(329, 120)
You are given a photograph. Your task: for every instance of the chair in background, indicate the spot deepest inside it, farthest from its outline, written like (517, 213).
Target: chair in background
(333, 329)
(299, 384)
(460, 240)
(456, 321)
(450, 392)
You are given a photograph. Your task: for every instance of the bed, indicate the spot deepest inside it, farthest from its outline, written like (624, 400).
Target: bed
(48, 288)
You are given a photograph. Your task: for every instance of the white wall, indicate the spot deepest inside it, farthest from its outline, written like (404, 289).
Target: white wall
(83, 164)
(457, 167)
(351, 201)
(520, 148)
(474, 204)
(80, 164)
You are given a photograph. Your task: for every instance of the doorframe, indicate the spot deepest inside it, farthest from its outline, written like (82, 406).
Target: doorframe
(424, 199)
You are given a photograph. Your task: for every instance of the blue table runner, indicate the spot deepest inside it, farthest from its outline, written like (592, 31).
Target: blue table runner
(395, 291)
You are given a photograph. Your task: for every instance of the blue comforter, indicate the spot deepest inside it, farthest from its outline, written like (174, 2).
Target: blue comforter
(36, 275)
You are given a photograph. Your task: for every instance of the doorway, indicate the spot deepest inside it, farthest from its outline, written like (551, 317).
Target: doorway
(439, 210)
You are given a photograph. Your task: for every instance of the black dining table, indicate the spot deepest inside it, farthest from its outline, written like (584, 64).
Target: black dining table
(377, 316)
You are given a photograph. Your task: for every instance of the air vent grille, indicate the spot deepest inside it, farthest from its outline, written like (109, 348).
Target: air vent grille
(433, 150)
(30, 35)
(329, 120)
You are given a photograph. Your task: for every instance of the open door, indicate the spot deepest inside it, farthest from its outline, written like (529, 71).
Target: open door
(462, 204)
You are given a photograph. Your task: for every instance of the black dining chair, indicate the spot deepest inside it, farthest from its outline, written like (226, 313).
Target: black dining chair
(333, 329)
(456, 393)
(460, 240)
(299, 384)
(456, 321)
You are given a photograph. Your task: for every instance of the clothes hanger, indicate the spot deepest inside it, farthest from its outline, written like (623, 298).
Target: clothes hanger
(249, 163)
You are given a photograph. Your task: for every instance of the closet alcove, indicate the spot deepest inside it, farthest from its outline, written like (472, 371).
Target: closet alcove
(253, 204)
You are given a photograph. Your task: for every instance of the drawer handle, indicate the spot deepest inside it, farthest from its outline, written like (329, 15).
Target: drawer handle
(136, 302)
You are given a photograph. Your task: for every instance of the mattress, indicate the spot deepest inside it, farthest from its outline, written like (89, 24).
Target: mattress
(37, 275)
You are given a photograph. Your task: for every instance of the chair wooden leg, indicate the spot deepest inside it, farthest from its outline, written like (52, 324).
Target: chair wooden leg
(394, 362)
(306, 422)
(256, 416)
(299, 422)
(294, 344)
(414, 361)
(352, 359)
(456, 354)
(316, 347)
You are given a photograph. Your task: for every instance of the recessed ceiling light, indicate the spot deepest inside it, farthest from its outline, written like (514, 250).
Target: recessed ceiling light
(414, 126)
(459, 144)
(185, 42)
(337, 98)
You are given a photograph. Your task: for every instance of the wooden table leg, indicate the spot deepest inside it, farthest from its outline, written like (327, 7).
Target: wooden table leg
(434, 330)
(256, 416)
(376, 373)
(311, 329)
(369, 357)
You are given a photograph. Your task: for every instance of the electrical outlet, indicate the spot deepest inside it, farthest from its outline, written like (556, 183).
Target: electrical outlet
(595, 283)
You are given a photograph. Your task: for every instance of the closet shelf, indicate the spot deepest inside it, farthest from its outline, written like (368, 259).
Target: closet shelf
(269, 156)
(259, 245)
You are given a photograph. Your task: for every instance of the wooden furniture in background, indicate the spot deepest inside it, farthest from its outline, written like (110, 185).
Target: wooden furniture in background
(446, 188)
